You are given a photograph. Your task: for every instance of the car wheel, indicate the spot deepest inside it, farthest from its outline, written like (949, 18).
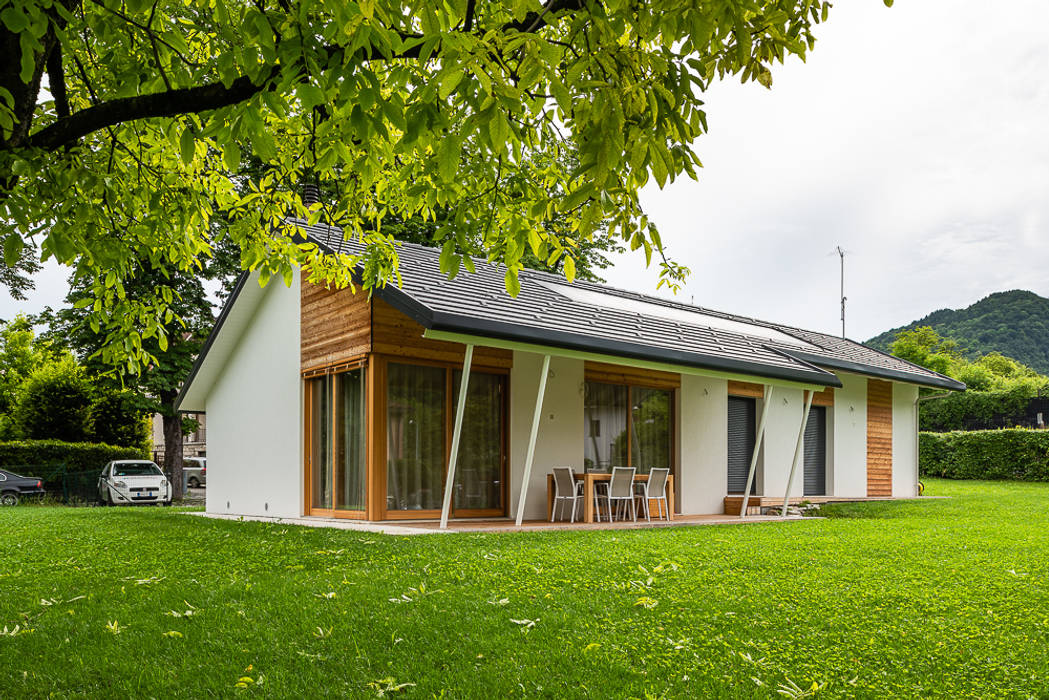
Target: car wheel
(167, 503)
(193, 483)
(8, 498)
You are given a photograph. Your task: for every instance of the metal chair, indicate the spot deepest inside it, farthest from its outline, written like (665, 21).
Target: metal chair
(656, 484)
(565, 483)
(621, 489)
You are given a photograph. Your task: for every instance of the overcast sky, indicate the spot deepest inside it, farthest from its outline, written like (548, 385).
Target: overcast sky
(914, 137)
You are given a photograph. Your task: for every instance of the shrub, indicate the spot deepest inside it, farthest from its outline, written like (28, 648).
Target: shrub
(54, 403)
(117, 418)
(980, 410)
(68, 469)
(76, 456)
(1015, 454)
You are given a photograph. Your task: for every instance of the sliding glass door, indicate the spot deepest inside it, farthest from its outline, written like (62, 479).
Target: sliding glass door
(420, 409)
(336, 443)
(415, 436)
(479, 471)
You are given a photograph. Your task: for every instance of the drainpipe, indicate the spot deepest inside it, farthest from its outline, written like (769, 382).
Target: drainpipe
(917, 442)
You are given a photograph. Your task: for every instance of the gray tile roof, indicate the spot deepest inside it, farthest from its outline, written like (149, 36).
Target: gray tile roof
(602, 319)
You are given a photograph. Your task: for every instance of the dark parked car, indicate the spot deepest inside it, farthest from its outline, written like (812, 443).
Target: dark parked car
(14, 488)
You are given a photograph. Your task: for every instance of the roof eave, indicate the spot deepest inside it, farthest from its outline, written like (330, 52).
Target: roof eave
(455, 323)
(938, 381)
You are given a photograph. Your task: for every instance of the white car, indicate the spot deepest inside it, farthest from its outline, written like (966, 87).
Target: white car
(132, 482)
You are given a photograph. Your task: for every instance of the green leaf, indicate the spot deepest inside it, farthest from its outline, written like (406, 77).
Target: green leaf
(186, 145)
(569, 268)
(449, 82)
(513, 285)
(15, 19)
(448, 154)
(12, 249)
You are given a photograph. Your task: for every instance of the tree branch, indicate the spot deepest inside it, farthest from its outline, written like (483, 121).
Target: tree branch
(56, 79)
(169, 103)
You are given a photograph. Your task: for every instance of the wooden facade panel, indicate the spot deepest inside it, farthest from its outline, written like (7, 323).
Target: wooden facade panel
(823, 398)
(618, 374)
(393, 333)
(336, 325)
(879, 438)
(748, 389)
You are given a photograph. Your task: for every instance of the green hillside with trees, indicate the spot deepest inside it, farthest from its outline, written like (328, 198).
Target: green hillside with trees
(1014, 323)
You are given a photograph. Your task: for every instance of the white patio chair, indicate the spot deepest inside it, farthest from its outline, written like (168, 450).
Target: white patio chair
(621, 491)
(656, 484)
(566, 489)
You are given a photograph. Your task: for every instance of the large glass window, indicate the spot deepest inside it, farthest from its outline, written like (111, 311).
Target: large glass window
(650, 444)
(320, 442)
(479, 470)
(350, 458)
(337, 441)
(415, 430)
(605, 426)
(626, 426)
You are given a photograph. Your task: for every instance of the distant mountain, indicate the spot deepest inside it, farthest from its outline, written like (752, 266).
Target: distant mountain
(1014, 323)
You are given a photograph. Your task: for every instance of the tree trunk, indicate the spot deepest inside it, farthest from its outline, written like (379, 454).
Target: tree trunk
(173, 452)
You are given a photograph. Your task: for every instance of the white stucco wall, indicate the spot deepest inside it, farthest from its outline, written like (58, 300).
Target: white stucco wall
(255, 415)
(560, 438)
(702, 431)
(904, 441)
(847, 471)
(781, 439)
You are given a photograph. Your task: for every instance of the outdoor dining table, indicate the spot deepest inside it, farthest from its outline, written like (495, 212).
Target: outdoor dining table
(589, 479)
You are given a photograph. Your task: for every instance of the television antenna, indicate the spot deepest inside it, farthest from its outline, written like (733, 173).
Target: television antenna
(841, 254)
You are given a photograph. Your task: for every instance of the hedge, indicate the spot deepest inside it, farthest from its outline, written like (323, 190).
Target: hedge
(1015, 454)
(980, 410)
(68, 469)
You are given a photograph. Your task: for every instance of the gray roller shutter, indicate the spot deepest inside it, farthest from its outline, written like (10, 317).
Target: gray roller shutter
(742, 427)
(816, 452)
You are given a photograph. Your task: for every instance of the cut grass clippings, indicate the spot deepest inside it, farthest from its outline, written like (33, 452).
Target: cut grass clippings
(943, 598)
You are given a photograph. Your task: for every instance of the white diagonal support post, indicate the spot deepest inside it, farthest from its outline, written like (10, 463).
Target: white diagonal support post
(797, 450)
(531, 439)
(758, 441)
(457, 432)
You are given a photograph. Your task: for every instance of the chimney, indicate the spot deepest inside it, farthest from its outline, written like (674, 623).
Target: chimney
(311, 194)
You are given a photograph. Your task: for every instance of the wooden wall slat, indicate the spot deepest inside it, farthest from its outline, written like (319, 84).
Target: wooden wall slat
(879, 438)
(393, 333)
(618, 374)
(823, 398)
(749, 389)
(335, 325)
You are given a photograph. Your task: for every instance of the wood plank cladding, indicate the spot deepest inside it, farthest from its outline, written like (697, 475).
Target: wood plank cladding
(823, 398)
(879, 438)
(749, 389)
(336, 325)
(618, 374)
(395, 334)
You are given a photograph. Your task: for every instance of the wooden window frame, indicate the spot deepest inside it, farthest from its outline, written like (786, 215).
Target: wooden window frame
(308, 510)
(378, 463)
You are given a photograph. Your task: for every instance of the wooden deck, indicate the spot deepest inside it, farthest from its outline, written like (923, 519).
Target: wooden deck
(508, 524)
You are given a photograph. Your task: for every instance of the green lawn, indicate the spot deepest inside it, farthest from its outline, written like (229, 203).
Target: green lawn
(934, 598)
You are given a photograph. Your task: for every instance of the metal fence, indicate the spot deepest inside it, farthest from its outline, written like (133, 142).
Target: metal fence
(62, 483)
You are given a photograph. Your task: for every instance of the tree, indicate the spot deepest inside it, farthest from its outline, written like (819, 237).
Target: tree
(54, 402)
(407, 109)
(156, 385)
(18, 277)
(21, 353)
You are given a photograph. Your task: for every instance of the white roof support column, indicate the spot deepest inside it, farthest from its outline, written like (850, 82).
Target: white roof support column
(797, 450)
(759, 440)
(531, 439)
(457, 432)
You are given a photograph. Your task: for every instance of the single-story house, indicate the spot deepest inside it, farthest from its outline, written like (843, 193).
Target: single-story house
(326, 403)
